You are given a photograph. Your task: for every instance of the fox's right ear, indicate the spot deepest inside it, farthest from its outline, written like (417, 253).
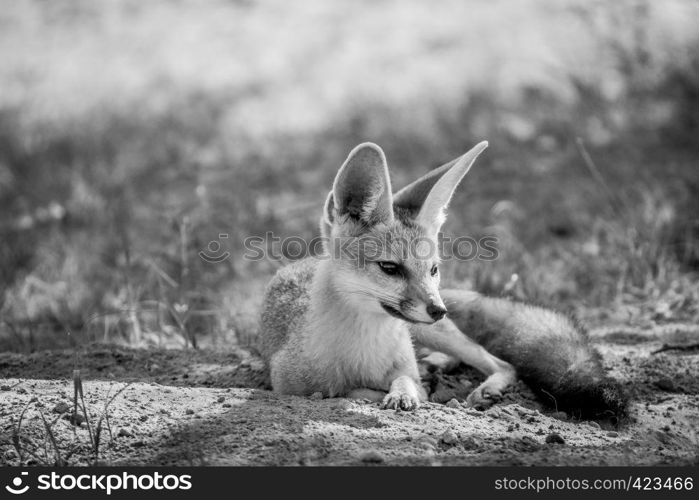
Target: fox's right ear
(362, 188)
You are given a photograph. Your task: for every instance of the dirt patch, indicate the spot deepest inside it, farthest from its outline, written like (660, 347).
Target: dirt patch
(206, 407)
(230, 368)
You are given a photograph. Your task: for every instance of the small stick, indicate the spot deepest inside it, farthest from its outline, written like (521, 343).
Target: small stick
(677, 347)
(555, 403)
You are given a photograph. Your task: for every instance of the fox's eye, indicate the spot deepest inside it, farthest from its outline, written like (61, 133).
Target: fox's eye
(434, 270)
(390, 268)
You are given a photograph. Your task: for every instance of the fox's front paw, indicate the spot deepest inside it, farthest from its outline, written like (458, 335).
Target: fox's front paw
(490, 391)
(400, 401)
(483, 397)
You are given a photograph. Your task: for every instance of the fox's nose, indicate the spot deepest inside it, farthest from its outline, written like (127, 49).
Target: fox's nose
(436, 311)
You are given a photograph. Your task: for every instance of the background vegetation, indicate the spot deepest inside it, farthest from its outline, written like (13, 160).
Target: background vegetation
(134, 133)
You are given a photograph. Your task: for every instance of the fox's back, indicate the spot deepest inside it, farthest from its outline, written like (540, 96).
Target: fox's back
(285, 304)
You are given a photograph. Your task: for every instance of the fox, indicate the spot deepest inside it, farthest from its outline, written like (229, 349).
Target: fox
(347, 323)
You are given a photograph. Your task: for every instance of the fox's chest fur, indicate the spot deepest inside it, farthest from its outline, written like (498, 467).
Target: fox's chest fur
(352, 351)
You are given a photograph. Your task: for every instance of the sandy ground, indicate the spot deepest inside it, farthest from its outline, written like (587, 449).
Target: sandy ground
(205, 407)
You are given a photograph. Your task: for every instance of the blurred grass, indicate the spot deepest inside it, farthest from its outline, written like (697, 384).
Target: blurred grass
(132, 135)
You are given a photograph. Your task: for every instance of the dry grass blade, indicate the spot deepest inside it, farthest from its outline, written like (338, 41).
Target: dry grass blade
(104, 417)
(74, 416)
(162, 274)
(79, 396)
(17, 432)
(87, 418)
(616, 201)
(49, 432)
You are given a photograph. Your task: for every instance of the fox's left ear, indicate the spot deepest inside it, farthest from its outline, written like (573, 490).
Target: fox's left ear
(327, 219)
(429, 196)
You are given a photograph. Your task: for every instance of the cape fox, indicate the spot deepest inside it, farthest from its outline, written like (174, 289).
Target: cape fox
(344, 324)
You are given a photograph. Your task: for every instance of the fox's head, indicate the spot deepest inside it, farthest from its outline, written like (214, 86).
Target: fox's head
(384, 246)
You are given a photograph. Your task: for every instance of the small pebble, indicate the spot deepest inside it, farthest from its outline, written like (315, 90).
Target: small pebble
(666, 384)
(453, 403)
(593, 424)
(61, 407)
(554, 438)
(317, 395)
(470, 443)
(221, 399)
(449, 437)
(124, 432)
(426, 442)
(372, 457)
(612, 434)
(189, 411)
(75, 419)
(526, 444)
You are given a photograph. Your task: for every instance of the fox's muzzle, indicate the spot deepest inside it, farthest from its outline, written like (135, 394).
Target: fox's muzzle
(436, 311)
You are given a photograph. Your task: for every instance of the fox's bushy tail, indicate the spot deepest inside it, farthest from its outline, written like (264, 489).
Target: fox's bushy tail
(550, 352)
